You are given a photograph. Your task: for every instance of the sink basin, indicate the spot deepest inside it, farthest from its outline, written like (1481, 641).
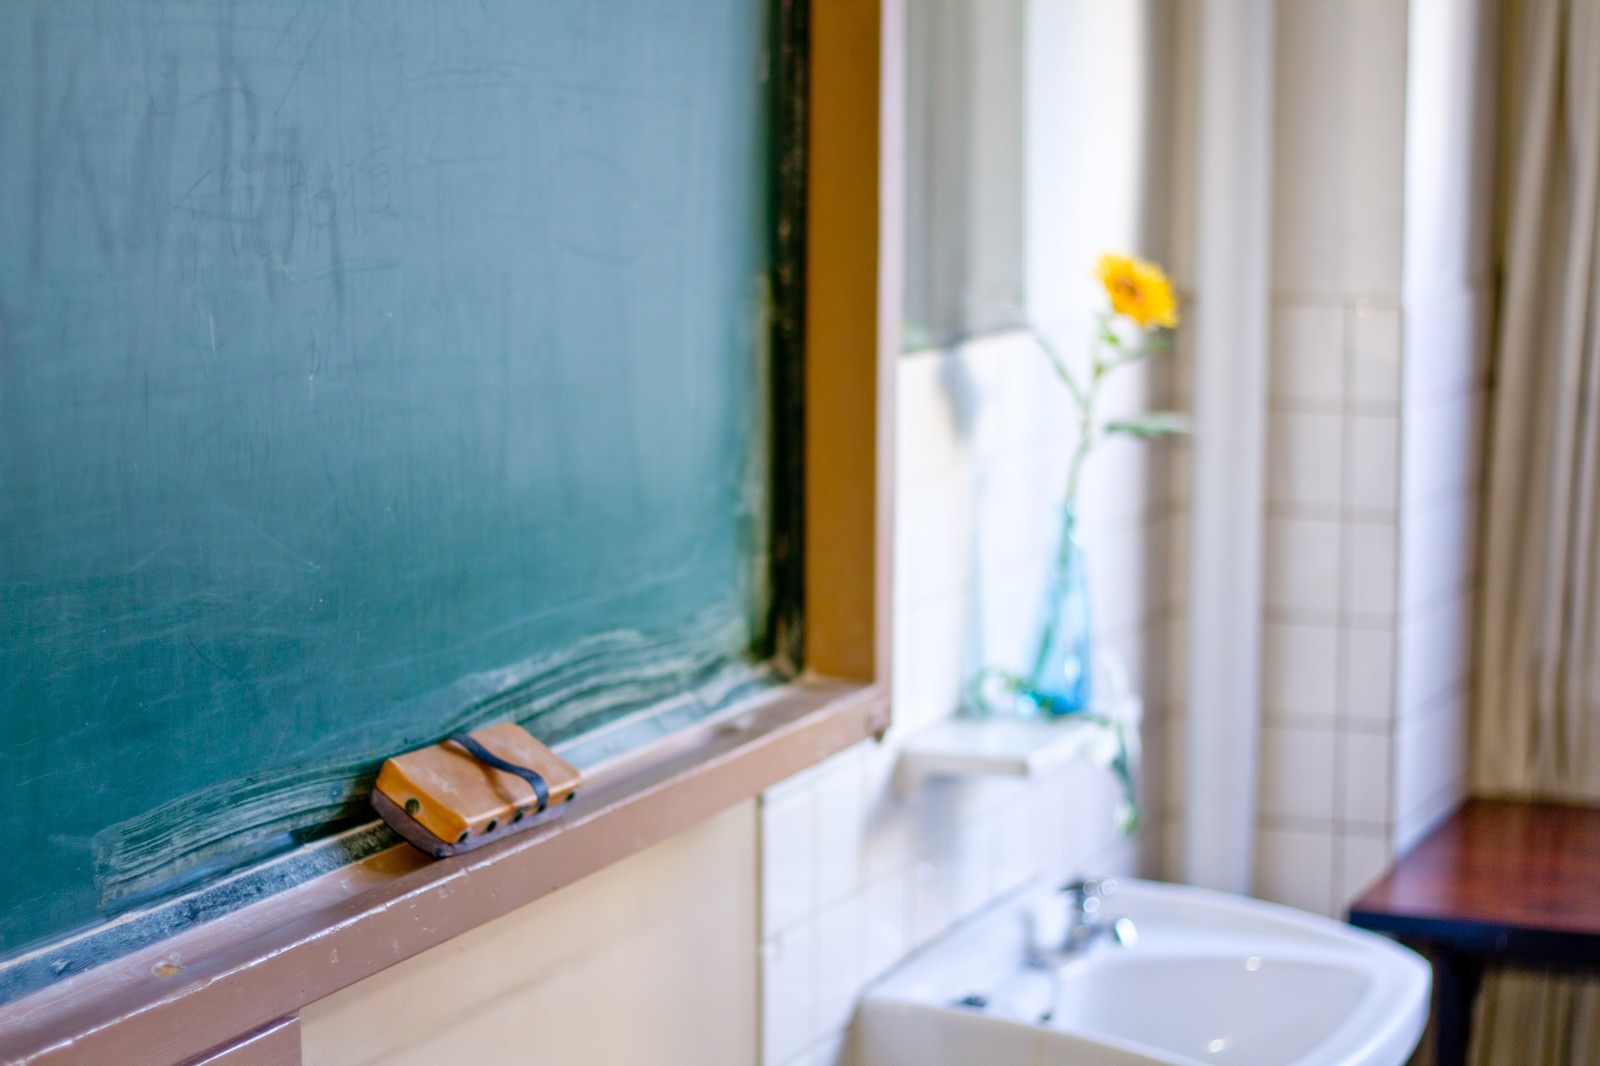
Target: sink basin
(1221, 1010)
(1213, 978)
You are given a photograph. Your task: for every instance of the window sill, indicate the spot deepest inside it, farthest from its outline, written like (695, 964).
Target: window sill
(203, 987)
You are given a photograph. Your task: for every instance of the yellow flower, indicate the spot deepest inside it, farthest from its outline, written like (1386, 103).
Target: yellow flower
(1139, 290)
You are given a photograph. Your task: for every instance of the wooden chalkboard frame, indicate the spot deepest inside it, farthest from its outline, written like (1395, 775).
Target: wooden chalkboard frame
(230, 991)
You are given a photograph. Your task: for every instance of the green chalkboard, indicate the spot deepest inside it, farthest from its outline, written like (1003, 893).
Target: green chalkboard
(368, 369)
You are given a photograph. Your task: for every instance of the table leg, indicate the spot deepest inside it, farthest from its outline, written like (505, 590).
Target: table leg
(1455, 986)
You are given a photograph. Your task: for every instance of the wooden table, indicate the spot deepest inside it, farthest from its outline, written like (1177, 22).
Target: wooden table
(1500, 882)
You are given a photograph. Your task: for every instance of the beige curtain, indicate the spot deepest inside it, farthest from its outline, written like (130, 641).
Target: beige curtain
(1536, 728)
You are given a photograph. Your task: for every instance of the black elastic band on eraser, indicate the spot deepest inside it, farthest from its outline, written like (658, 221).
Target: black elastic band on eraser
(489, 758)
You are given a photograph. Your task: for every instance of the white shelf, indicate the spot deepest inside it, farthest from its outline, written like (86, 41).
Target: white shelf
(996, 747)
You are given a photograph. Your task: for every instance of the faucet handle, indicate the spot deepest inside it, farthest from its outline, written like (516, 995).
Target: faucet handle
(1089, 888)
(1084, 897)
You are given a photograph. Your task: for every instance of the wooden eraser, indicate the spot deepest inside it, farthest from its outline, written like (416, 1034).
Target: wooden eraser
(458, 802)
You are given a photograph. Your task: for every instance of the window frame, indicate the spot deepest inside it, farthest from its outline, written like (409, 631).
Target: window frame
(230, 990)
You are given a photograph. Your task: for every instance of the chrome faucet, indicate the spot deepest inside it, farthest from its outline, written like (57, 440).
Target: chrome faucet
(1086, 923)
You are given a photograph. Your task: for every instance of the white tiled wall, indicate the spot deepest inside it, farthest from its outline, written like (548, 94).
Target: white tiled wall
(1375, 403)
(1449, 306)
(1380, 317)
(1329, 629)
(855, 873)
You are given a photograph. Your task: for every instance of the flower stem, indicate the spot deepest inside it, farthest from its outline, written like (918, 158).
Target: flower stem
(1059, 364)
(1079, 455)
(1086, 400)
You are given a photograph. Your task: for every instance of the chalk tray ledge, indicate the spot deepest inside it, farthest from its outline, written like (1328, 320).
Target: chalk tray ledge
(222, 983)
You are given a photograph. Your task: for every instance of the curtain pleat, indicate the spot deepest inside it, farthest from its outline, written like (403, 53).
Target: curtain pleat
(1531, 1019)
(1536, 720)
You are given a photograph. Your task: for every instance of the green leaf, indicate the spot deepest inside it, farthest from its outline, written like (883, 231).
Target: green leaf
(1152, 425)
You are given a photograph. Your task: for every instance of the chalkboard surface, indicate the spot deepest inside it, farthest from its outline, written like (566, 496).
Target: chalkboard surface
(368, 369)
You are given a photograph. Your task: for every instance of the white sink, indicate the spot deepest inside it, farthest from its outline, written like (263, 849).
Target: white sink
(1213, 978)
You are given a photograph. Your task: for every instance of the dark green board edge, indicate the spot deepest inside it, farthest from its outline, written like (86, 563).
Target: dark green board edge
(790, 102)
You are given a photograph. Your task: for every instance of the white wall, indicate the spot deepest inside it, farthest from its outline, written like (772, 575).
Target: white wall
(1449, 302)
(1380, 315)
(855, 875)
(652, 960)
(1333, 438)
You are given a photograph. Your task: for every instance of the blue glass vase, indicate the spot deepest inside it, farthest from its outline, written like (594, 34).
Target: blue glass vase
(1060, 679)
